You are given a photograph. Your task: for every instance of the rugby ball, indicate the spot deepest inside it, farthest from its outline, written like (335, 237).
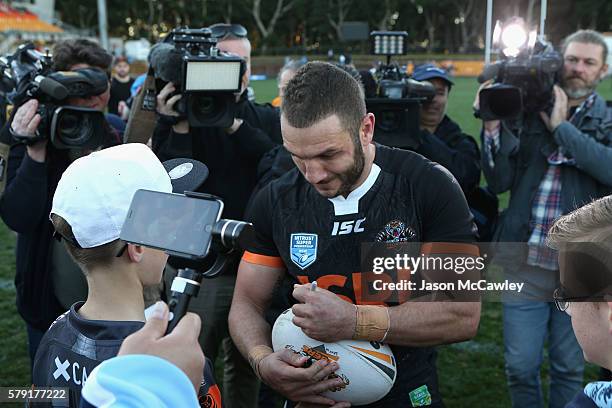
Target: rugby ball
(368, 369)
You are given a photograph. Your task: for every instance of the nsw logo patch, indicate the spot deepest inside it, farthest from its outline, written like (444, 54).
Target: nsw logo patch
(420, 397)
(303, 249)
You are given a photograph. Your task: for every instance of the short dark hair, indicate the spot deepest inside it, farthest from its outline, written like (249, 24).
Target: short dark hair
(119, 60)
(586, 37)
(86, 258)
(68, 53)
(319, 90)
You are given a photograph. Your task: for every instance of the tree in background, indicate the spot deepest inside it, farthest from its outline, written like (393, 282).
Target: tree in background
(299, 26)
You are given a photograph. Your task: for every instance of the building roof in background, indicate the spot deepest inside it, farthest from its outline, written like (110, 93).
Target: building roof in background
(12, 19)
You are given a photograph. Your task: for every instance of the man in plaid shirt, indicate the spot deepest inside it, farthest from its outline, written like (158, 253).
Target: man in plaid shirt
(551, 164)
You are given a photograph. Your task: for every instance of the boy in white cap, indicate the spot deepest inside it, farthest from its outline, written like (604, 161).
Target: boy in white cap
(90, 205)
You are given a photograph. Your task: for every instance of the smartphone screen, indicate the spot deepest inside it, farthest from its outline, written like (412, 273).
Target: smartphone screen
(175, 223)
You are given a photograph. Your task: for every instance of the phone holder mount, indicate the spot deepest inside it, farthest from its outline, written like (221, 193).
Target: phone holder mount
(186, 284)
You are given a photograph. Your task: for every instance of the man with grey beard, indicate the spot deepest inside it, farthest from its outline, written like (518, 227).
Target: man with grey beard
(552, 163)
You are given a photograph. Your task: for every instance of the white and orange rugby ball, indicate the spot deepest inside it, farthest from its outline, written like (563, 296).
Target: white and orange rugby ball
(368, 369)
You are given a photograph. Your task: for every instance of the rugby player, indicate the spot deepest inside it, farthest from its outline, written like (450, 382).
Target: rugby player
(310, 224)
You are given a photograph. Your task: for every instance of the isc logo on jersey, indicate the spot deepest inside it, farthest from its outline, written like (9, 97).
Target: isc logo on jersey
(348, 227)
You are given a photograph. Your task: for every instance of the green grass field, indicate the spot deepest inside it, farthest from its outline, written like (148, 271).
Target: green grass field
(471, 373)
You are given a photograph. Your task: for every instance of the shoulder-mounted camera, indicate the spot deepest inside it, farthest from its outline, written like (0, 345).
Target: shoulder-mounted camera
(397, 99)
(207, 78)
(66, 126)
(523, 77)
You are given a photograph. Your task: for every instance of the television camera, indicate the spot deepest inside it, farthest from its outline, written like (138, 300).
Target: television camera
(28, 74)
(397, 98)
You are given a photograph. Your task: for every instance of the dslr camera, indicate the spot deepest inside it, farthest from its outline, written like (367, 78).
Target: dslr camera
(207, 78)
(397, 98)
(30, 75)
(523, 77)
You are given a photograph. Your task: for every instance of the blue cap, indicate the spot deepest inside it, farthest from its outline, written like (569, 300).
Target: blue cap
(429, 71)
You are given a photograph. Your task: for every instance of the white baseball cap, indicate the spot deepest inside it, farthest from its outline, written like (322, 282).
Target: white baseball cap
(95, 192)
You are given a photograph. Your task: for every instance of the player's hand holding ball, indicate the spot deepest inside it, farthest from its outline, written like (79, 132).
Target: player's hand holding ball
(284, 371)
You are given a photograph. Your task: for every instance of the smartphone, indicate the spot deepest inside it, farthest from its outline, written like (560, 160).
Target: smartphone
(177, 224)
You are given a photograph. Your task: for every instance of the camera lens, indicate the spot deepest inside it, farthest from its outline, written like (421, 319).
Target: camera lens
(74, 129)
(500, 102)
(204, 106)
(232, 234)
(69, 125)
(390, 120)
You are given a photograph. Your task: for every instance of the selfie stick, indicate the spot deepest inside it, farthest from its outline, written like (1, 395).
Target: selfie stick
(186, 285)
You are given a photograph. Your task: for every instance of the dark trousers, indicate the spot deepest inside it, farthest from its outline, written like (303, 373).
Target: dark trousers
(34, 337)
(240, 385)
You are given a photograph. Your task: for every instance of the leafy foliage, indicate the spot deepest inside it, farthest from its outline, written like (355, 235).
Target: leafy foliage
(278, 25)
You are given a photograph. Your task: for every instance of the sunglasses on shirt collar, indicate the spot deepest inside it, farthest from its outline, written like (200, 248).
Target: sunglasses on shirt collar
(220, 31)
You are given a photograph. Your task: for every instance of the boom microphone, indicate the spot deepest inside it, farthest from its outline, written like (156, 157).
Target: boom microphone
(51, 87)
(490, 71)
(166, 62)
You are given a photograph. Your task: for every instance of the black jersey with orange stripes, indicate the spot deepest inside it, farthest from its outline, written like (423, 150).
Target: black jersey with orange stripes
(73, 346)
(405, 198)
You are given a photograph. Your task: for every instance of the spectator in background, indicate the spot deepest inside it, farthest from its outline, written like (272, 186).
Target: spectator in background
(442, 140)
(552, 163)
(284, 75)
(47, 280)
(121, 85)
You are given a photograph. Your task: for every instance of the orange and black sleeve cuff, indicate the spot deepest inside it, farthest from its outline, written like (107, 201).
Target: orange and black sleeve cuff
(264, 260)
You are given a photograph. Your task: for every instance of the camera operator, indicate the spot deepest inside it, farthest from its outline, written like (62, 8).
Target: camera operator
(47, 280)
(442, 139)
(552, 163)
(232, 156)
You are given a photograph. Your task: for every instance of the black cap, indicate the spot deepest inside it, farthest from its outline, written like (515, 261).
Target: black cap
(186, 174)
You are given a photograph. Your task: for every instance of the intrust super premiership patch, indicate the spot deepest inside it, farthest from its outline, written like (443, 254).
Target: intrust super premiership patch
(303, 249)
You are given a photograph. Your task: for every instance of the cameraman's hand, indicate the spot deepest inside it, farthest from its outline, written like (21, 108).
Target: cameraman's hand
(165, 107)
(25, 122)
(284, 371)
(559, 111)
(124, 110)
(38, 151)
(235, 126)
(489, 125)
(180, 347)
